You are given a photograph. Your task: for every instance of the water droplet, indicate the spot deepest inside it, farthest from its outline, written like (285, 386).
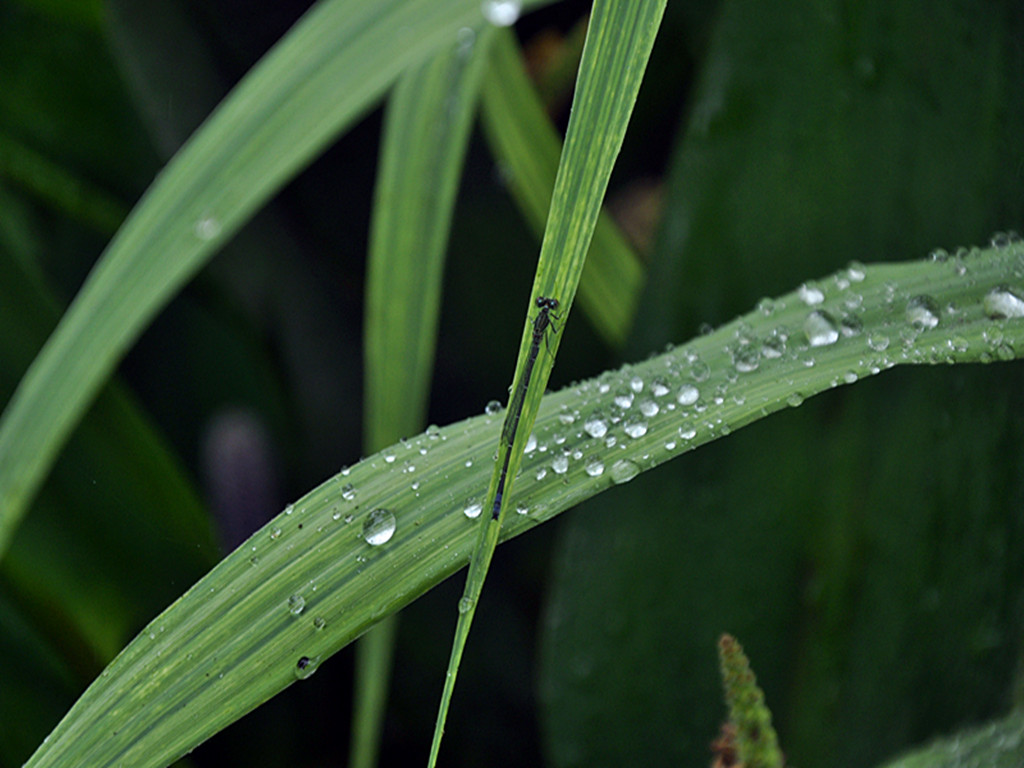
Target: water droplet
(275, 533)
(851, 326)
(348, 492)
(296, 603)
(1004, 239)
(492, 408)
(378, 527)
(810, 295)
(502, 13)
(747, 358)
(774, 346)
(560, 464)
(636, 384)
(700, 371)
(465, 38)
(623, 399)
(306, 666)
(595, 426)
(922, 313)
(207, 228)
(659, 388)
(1003, 302)
(472, 509)
(624, 470)
(766, 307)
(465, 604)
(636, 429)
(688, 394)
(687, 432)
(795, 399)
(959, 344)
(856, 272)
(820, 329)
(878, 341)
(595, 468)
(319, 623)
(649, 408)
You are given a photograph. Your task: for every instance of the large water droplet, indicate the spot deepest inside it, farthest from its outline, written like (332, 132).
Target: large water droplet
(296, 604)
(465, 604)
(820, 329)
(810, 295)
(502, 13)
(747, 358)
(688, 394)
(378, 527)
(595, 426)
(595, 467)
(1003, 302)
(878, 341)
(624, 470)
(473, 509)
(635, 429)
(306, 666)
(922, 313)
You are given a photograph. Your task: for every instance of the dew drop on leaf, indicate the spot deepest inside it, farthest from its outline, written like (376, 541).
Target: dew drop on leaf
(922, 313)
(1002, 303)
(624, 470)
(296, 604)
(378, 527)
(820, 329)
(688, 394)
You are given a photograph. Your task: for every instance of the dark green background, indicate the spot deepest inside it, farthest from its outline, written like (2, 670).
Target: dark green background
(865, 548)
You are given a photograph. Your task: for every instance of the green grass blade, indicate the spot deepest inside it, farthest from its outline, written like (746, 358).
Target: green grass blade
(1000, 744)
(527, 148)
(425, 135)
(309, 582)
(619, 41)
(327, 71)
(426, 132)
(60, 188)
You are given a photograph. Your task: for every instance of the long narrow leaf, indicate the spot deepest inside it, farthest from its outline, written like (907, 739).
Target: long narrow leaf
(425, 137)
(373, 538)
(619, 41)
(326, 72)
(527, 147)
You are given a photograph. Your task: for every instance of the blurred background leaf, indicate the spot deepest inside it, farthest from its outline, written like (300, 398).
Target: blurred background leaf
(866, 546)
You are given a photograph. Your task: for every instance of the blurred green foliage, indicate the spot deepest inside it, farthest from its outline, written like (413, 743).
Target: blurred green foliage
(867, 546)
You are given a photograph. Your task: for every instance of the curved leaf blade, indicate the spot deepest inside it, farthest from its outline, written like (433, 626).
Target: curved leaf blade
(309, 582)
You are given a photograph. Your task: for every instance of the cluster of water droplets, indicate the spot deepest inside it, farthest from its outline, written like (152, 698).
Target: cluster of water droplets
(726, 378)
(700, 388)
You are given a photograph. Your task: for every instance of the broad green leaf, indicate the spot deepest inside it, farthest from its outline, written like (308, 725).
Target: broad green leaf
(364, 543)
